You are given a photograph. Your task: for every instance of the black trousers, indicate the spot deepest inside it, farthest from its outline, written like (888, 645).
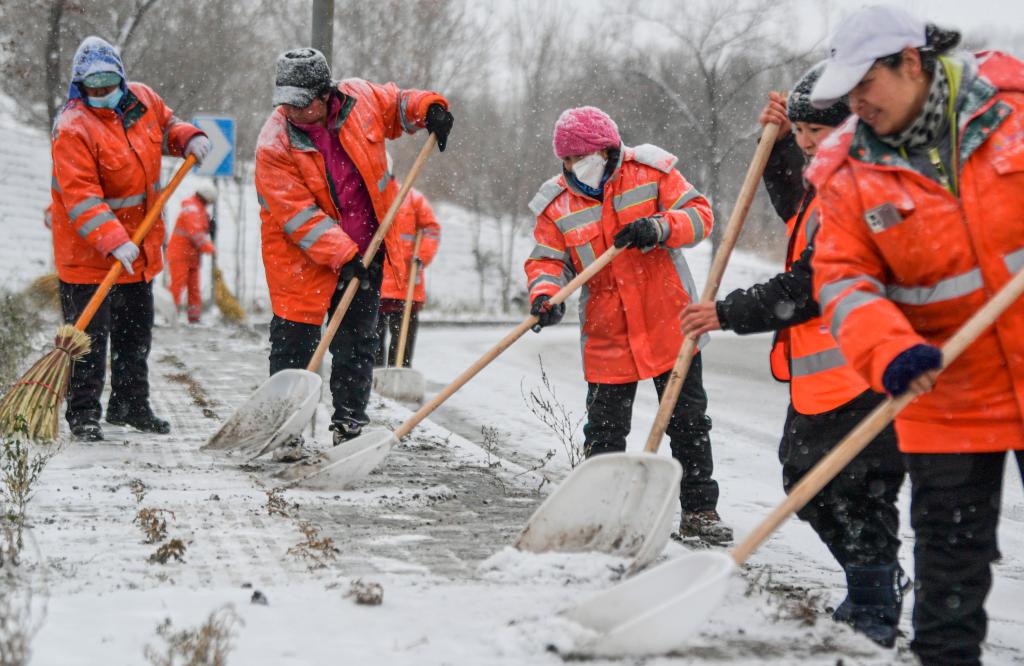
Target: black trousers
(391, 323)
(954, 509)
(125, 319)
(292, 345)
(610, 415)
(855, 515)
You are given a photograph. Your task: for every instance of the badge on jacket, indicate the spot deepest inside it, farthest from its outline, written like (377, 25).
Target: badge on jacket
(883, 217)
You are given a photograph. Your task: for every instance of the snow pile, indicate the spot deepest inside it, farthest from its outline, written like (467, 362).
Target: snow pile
(510, 565)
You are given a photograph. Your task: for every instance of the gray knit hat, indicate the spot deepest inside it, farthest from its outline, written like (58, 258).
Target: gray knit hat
(800, 109)
(302, 74)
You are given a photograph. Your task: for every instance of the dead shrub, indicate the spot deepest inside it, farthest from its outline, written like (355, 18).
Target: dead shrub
(173, 549)
(152, 525)
(206, 645)
(316, 551)
(544, 404)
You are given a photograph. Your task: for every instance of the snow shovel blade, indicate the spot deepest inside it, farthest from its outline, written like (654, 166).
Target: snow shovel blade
(343, 465)
(654, 612)
(402, 384)
(278, 410)
(621, 504)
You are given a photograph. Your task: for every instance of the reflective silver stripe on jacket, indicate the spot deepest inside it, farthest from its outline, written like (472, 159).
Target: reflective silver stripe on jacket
(316, 232)
(262, 202)
(94, 223)
(382, 183)
(688, 196)
(127, 202)
(546, 279)
(813, 222)
(689, 286)
(697, 224)
(403, 107)
(637, 195)
(586, 254)
(944, 290)
(407, 237)
(432, 233)
(545, 252)
(84, 206)
(567, 223)
(545, 195)
(301, 218)
(834, 289)
(848, 304)
(819, 362)
(1014, 261)
(54, 184)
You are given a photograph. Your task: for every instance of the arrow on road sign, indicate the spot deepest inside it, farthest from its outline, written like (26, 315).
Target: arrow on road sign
(221, 132)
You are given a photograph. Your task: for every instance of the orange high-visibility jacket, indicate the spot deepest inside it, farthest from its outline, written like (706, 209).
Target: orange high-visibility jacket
(629, 312)
(303, 244)
(414, 215)
(901, 261)
(106, 175)
(806, 355)
(191, 235)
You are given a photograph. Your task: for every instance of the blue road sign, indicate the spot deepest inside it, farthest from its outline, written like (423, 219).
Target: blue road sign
(221, 160)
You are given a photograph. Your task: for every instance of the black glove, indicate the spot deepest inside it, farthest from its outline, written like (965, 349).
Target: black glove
(439, 123)
(213, 228)
(642, 234)
(908, 366)
(354, 269)
(547, 314)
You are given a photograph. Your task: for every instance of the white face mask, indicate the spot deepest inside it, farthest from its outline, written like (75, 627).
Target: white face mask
(590, 169)
(108, 101)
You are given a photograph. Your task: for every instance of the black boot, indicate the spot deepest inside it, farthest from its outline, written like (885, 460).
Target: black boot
(140, 418)
(874, 601)
(87, 431)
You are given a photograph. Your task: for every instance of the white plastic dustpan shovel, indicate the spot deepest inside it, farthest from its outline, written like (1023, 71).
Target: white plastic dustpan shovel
(258, 425)
(351, 461)
(654, 612)
(558, 525)
(278, 410)
(402, 383)
(620, 504)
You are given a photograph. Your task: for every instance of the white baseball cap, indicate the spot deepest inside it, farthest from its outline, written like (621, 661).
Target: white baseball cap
(858, 41)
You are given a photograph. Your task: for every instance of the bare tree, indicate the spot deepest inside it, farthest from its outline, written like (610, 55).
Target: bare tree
(724, 47)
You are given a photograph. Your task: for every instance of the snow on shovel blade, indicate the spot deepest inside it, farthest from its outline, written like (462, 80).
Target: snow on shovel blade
(278, 410)
(656, 611)
(343, 465)
(402, 384)
(621, 504)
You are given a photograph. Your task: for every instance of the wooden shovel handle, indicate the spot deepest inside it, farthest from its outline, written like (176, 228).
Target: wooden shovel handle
(403, 334)
(732, 233)
(140, 233)
(371, 251)
(832, 464)
(506, 342)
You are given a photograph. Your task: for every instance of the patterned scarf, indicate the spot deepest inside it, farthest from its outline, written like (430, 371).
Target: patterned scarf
(926, 127)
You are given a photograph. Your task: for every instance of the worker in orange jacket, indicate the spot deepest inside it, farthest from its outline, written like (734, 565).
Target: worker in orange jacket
(921, 198)
(855, 515)
(415, 216)
(189, 240)
(107, 143)
(321, 177)
(606, 194)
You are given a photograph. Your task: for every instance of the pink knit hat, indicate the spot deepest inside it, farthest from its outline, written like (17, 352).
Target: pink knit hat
(584, 130)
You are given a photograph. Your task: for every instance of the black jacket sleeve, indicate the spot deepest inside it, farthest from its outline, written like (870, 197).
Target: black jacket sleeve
(783, 176)
(783, 301)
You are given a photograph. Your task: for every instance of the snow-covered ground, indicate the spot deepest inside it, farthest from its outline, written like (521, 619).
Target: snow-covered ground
(433, 526)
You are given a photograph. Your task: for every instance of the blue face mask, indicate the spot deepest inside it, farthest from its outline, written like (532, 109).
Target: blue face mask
(108, 101)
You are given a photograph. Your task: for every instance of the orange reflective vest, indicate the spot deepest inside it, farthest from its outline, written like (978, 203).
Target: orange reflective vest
(303, 245)
(414, 215)
(901, 261)
(806, 355)
(106, 176)
(629, 312)
(191, 235)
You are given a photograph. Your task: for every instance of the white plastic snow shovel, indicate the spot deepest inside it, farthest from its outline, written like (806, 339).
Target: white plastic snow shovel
(400, 382)
(623, 503)
(286, 401)
(353, 460)
(655, 612)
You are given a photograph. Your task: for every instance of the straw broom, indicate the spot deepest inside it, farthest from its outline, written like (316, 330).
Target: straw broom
(45, 290)
(32, 406)
(225, 300)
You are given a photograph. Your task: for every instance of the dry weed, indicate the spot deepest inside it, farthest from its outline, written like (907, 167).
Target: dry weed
(366, 594)
(276, 504)
(138, 489)
(152, 525)
(316, 551)
(206, 645)
(173, 549)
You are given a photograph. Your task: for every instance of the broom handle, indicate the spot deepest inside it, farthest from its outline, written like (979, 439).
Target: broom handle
(375, 242)
(829, 466)
(147, 223)
(670, 394)
(504, 343)
(403, 335)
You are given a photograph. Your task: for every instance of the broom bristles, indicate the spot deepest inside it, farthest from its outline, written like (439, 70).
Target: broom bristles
(32, 406)
(45, 290)
(225, 300)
